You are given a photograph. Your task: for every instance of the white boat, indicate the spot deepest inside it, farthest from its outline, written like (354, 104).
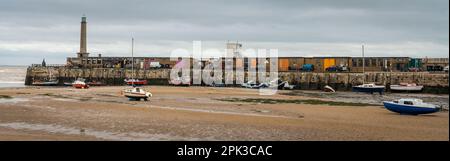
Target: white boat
(80, 83)
(287, 85)
(412, 87)
(254, 85)
(410, 106)
(280, 84)
(137, 94)
(327, 88)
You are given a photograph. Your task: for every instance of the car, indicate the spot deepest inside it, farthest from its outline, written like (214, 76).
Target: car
(332, 69)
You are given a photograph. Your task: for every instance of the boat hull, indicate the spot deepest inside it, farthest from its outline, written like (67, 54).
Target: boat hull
(81, 86)
(369, 90)
(137, 83)
(95, 84)
(410, 110)
(136, 96)
(45, 84)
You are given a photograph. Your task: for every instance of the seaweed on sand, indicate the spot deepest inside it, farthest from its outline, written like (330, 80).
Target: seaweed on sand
(293, 101)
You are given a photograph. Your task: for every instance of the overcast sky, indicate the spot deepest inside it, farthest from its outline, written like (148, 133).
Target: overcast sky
(31, 30)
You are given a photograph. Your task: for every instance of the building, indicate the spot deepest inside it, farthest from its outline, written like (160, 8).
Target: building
(285, 64)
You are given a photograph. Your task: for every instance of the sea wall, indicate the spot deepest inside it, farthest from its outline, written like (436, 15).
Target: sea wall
(433, 82)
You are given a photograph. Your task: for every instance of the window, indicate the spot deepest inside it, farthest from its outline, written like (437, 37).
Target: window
(408, 103)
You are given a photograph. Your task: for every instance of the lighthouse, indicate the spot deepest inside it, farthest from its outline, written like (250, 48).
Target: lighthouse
(83, 40)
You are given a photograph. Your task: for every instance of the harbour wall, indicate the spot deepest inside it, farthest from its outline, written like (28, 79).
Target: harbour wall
(432, 82)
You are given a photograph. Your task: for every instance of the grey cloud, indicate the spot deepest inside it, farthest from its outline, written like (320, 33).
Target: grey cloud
(290, 22)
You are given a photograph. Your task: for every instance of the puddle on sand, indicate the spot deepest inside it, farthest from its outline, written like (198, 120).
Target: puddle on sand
(133, 136)
(12, 100)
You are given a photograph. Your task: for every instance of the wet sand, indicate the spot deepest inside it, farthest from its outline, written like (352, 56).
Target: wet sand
(198, 113)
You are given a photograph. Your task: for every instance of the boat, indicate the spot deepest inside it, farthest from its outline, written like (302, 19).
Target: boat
(369, 88)
(80, 83)
(68, 83)
(327, 88)
(46, 83)
(95, 83)
(279, 84)
(137, 94)
(50, 81)
(410, 106)
(254, 85)
(407, 87)
(135, 82)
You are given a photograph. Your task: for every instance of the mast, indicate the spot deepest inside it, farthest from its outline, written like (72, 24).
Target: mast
(132, 61)
(364, 65)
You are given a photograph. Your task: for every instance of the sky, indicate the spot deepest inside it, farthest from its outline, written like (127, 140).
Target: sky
(31, 30)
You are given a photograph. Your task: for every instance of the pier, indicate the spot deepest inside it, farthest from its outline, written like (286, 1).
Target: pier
(432, 82)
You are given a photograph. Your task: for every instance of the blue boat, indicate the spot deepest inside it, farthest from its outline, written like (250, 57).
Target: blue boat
(410, 107)
(368, 88)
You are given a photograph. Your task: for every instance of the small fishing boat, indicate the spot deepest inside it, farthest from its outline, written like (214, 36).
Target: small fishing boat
(46, 83)
(80, 83)
(136, 94)
(410, 106)
(50, 81)
(406, 87)
(280, 84)
(68, 83)
(254, 85)
(95, 83)
(369, 88)
(327, 88)
(135, 82)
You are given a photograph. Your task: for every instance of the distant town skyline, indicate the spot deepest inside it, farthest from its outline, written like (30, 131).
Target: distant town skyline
(50, 29)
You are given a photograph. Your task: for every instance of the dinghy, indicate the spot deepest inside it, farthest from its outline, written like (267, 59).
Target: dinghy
(327, 88)
(410, 106)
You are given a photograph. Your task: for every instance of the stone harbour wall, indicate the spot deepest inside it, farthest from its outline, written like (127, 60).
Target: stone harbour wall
(433, 82)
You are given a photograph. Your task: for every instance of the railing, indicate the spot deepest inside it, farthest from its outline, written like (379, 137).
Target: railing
(48, 65)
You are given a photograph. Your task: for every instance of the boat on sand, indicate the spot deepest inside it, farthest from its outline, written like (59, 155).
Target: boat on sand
(410, 106)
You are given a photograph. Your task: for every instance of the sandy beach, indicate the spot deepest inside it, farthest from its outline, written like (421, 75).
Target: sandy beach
(207, 113)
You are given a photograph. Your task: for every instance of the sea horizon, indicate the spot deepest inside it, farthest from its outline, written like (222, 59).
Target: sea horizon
(12, 76)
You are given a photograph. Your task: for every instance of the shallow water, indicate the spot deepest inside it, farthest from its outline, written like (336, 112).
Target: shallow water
(53, 128)
(12, 76)
(12, 100)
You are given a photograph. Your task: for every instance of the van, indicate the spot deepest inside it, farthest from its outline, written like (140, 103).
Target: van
(155, 65)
